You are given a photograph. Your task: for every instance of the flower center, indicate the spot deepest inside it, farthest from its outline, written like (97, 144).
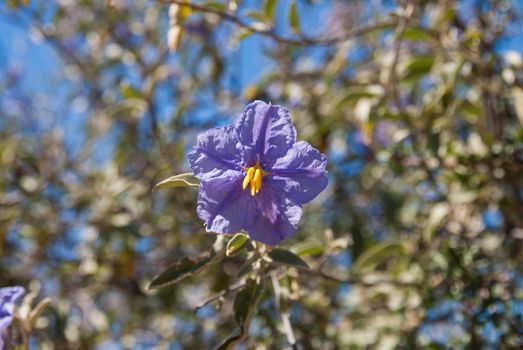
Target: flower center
(254, 177)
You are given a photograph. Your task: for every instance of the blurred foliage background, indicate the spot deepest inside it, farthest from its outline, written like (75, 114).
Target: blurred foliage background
(416, 243)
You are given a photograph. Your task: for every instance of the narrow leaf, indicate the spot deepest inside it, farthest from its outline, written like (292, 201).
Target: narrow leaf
(283, 256)
(129, 91)
(242, 33)
(257, 15)
(293, 18)
(376, 254)
(243, 302)
(418, 67)
(416, 34)
(244, 307)
(232, 339)
(38, 311)
(309, 248)
(215, 5)
(181, 180)
(236, 243)
(181, 269)
(269, 8)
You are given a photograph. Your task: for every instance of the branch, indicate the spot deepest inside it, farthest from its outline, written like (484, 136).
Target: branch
(287, 326)
(358, 280)
(393, 76)
(220, 294)
(302, 41)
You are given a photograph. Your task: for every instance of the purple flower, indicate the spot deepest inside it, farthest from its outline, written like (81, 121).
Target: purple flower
(255, 176)
(8, 298)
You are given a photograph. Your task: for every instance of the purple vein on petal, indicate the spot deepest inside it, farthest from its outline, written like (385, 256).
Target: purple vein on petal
(227, 199)
(305, 171)
(262, 138)
(220, 160)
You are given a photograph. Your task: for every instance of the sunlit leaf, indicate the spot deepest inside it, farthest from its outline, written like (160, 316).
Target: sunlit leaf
(181, 180)
(257, 15)
(418, 67)
(416, 34)
(37, 311)
(285, 257)
(269, 8)
(236, 243)
(215, 5)
(294, 20)
(437, 215)
(128, 91)
(309, 248)
(242, 33)
(353, 96)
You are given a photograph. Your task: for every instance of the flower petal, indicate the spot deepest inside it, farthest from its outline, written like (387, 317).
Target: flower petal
(216, 151)
(223, 204)
(8, 298)
(300, 173)
(276, 217)
(266, 133)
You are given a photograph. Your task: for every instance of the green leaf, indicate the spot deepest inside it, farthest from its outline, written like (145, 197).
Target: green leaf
(352, 96)
(376, 254)
(269, 7)
(181, 180)
(416, 34)
(257, 15)
(129, 91)
(38, 311)
(244, 307)
(232, 339)
(293, 18)
(242, 33)
(215, 5)
(181, 269)
(309, 248)
(418, 67)
(244, 302)
(236, 243)
(285, 257)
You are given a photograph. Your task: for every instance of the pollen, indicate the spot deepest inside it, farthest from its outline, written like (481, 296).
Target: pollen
(253, 177)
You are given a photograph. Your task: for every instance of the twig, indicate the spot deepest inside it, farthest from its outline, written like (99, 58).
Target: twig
(221, 294)
(393, 76)
(358, 280)
(287, 326)
(303, 41)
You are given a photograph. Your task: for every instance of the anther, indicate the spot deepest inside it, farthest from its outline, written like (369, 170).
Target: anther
(248, 177)
(257, 180)
(253, 188)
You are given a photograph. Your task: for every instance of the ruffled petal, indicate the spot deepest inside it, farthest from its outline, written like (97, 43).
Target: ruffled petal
(216, 151)
(265, 132)
(8, 298)
(276, 218)
(300, 173)
(223, 205)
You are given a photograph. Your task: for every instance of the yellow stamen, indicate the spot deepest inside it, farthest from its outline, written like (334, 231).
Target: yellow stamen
(254, 177)
(257, 180)
(248, 177)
